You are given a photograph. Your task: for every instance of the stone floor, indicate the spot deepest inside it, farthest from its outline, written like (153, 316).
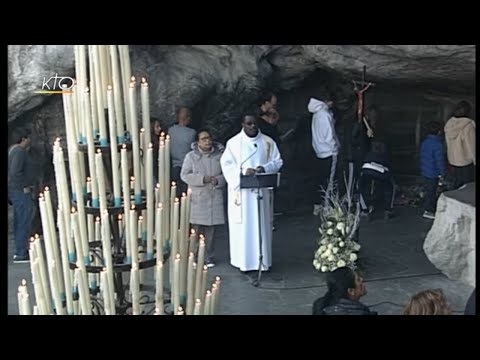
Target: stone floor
(392, 261)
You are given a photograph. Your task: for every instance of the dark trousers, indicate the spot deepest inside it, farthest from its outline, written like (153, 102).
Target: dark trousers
(175, 176)
(463, 175)
(384, 180)
(22, 218)
(209, 233)
(326, 177)
(430, 200)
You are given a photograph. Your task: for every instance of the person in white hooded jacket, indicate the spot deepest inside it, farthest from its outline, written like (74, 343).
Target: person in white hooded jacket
(326, 146)
(460, 139)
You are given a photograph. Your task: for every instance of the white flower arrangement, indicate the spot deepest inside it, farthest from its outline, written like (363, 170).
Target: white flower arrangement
(339, 222)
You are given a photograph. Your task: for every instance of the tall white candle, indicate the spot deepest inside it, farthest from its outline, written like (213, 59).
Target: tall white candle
(93, 103)
(176, 282)
(145, 98)
(200, 262)
(117, 92)
(133, 235)
(190, 284)
(213, 310)
(150, 201)
(135, 289)
(90, 150)
(99, 91)
(65, 259)
(159, 229)
(81, 270)
(126, 201)
(217, 298)
(112, 118)
(198, 307)
(102, 194)
(208, 301)
(49, 239)
(108, 258)
(43, 278)
(135, 142)
(159, 286)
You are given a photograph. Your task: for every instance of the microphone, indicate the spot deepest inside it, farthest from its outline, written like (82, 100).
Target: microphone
(243, 162)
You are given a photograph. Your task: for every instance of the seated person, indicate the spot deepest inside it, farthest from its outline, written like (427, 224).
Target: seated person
(345, 288)
(376, 167)
(428, 302)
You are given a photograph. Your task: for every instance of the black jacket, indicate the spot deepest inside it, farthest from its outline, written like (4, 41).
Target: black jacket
(343, 307)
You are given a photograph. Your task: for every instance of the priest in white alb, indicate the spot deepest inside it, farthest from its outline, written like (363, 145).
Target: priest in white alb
(249, 152)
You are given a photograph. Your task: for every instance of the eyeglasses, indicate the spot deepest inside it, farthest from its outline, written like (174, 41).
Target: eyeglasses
(205, 139)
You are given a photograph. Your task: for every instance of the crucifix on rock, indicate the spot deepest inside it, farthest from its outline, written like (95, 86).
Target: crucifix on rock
(364, 86)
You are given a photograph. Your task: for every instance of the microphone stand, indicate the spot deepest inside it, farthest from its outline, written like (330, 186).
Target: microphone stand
(256, 282)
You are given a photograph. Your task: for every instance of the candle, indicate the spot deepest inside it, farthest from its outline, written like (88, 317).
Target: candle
(204, 282)
(133, 236)
(90, 149)
(81, 213)
(82, 84)
(174, 230)
(49, 239)
(166, 159)
(99, 92)
(150, 201)
(176, 282)
(65, 260)
(42, 276)
(208, 300)
(200, 262)
(120, 225)
(198, 307)
(126, 73)
(218, 283)
(135, 289)
(213, 310)
(108, 258)
(157, 194)
(189, 202)
(117, 92)
(126, 202)
(102, 194)
(190, 283)
(37, 285)
(104, 74)
(135, 142)
(104, 289)
(192, 247)
(159, 286)
(159, 229)
(80, 270)
(145, 98)
(180, 311)
(93, 106)
(143, 156)
(112, 117)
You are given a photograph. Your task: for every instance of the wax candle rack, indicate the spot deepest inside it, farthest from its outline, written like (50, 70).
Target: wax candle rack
(120, 265)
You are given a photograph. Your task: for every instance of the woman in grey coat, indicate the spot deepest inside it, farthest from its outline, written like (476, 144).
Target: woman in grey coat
(202, 172)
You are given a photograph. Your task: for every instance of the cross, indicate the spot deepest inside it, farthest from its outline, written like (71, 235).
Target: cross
(365, 86)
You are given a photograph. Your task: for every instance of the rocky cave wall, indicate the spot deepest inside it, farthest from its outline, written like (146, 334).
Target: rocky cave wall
(222, 82)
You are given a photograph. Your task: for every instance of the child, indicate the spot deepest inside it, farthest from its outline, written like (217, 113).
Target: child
(432, 166)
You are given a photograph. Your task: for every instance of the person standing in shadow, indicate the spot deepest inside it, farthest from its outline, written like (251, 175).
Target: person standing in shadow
(181, 138)
(460, 138)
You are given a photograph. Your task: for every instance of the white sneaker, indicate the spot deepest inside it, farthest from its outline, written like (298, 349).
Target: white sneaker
(317, 209)
(429, 215)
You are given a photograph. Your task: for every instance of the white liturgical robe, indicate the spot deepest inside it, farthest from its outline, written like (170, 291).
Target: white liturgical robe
(243, 152)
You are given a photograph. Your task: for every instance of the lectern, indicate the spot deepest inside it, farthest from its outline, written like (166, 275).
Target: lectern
(259, 181)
